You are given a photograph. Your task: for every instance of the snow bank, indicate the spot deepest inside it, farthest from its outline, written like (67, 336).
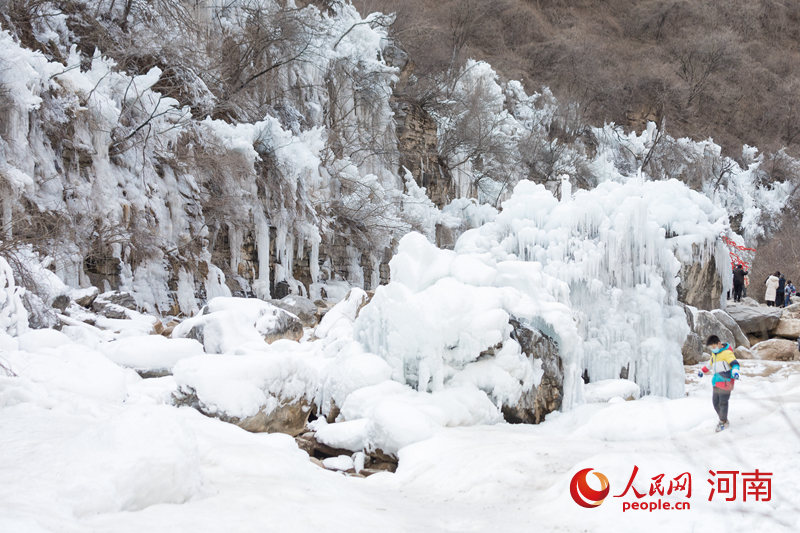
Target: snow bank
(607, 390)
(151, 353)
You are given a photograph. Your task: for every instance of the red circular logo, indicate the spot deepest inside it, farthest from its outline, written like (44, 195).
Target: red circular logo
(583, 494)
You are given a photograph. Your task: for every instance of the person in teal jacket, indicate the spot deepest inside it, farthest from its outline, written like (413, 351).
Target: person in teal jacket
(726, 370)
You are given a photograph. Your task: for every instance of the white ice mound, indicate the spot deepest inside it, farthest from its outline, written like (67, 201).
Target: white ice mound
(151, 353)
(596, 271)
(230, 323)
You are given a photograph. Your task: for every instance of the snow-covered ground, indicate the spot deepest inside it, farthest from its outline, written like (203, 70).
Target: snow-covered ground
(89, 446)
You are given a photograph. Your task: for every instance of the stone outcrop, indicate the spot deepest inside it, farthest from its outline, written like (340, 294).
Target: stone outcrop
(707, 323)
(537, 402)
(755, 320)
(788, 328)
(85, 297)
(731, 325)
(374, 461)
(222, 326)
(288, 417)
(692, 349)
(700, 285)
(793, 311)
(301, 307)
(776, 350)
(703, 324)
(114, 304)
(40, 315)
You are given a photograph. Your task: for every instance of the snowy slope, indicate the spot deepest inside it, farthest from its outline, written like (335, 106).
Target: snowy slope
(78, 456)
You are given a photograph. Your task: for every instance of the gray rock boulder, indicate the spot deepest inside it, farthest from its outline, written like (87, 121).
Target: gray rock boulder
(114, 304)
(706, 323)
(288, 417)
(692, 350)
(776, 350)
(743, 353)
(537, 402)
(733, 327)
(40, 315)
(793, 311)
(757, 320)
(61, 302)
(788, 328)
(301, 307)
(750, 302)
(86, 297)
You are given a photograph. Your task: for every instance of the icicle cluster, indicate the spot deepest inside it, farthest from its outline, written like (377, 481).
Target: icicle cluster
(597, 269)
(13, 316)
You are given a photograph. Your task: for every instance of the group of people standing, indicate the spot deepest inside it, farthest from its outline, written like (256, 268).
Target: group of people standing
(778, 291)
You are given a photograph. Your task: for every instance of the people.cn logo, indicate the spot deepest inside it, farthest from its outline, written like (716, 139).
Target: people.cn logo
(583, 494)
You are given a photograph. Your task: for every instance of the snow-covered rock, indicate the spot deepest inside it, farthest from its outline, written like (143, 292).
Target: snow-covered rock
(85, 297)
(608, 389)
(267, 392)
(228, 323)
(341, 462)
(303, 308)
(151, 355)
(114, 304)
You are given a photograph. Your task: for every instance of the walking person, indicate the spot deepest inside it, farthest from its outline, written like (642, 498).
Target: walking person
(738, 282)
(772, 288)
(781, 287)
(725, 367)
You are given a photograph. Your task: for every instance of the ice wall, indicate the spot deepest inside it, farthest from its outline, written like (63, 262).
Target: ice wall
(138, 180)
(595, 269)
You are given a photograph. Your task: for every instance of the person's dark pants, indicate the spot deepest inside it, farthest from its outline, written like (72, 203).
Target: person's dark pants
(720, 400)
(737, 292)
(770, 303)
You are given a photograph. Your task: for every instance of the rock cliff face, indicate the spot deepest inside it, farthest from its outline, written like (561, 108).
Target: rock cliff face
(545, 398)
(701, 285)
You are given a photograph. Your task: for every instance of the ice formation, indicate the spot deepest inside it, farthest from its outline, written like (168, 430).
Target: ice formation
(13, 316)
(596, 269)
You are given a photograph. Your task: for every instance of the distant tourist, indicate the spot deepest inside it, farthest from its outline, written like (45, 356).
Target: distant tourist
(725, 367)
(739, 275)
(781, 287)
(772, 288)
(788, 292)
